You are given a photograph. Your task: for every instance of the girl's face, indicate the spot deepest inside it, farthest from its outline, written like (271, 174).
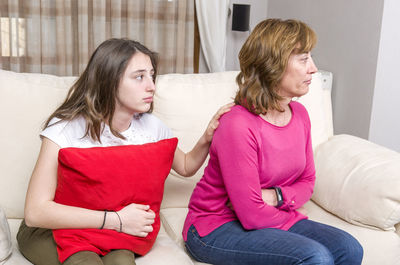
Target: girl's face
(297, 76)
(136, 87)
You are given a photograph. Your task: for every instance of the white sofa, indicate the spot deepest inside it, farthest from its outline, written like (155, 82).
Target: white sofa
(357, 187)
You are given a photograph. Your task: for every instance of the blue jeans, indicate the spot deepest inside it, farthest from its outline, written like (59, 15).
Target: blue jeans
(306, 242)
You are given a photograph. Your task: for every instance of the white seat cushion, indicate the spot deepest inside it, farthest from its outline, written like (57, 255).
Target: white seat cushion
(165, 251)
(373, 241)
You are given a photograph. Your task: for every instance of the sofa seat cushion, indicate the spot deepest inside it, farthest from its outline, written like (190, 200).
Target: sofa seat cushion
(380, 247)
(358, 181)
(164, 250)
(110, 178)
(373, 241)
(173, 220)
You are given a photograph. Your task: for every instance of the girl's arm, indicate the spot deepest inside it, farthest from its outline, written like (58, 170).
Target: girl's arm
(187, 164)
(42, 211)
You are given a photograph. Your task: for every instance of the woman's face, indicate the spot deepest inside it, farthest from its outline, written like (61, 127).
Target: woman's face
(136, 87)
(297, 76)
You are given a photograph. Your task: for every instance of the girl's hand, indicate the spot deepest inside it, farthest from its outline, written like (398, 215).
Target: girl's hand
(213, 124)
(137, 220)
(187, 164)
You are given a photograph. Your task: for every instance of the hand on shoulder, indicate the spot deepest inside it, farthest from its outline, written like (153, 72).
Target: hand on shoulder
(213, 124)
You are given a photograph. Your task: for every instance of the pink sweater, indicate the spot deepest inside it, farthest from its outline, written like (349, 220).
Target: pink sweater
(248, 154)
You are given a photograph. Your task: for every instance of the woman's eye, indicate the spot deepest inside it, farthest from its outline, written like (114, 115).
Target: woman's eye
(139, 77)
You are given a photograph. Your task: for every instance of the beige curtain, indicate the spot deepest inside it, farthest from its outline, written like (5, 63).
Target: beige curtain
(212, 17)
(58, 36)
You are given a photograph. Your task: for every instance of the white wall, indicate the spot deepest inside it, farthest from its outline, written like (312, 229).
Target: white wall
(348, 44)
(385, 117)
(235, 39)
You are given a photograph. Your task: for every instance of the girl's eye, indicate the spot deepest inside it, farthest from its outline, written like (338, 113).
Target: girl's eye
(139, 77)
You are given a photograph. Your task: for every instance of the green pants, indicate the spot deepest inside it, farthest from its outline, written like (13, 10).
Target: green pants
(39, 247)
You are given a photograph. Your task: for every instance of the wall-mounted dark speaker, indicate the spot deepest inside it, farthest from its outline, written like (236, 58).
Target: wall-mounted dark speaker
(241, 17)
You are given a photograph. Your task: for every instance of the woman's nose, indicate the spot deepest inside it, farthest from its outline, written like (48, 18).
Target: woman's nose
(312, 68)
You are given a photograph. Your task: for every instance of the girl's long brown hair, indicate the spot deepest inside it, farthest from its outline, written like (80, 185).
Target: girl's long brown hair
(263, 60)
(93, 95)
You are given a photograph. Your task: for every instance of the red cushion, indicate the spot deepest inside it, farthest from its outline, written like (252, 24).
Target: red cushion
(109, 178)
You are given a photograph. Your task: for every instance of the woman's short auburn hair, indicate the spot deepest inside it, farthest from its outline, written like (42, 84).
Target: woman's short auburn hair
(263, 60)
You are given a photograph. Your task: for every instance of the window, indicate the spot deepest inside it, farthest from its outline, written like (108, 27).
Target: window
(13, 37)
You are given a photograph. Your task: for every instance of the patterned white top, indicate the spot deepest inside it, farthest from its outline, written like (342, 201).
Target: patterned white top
(144, 129)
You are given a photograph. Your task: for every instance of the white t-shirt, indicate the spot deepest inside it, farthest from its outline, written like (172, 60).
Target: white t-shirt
(144, 129)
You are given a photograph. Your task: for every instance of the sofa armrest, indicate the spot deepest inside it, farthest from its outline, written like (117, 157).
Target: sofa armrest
(358, 181)
(398, 228)
(5, 237)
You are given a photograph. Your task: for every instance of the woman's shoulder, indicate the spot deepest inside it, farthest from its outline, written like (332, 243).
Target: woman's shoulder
(298, 108)
(239, 112)
(238, 119)
(300, 111)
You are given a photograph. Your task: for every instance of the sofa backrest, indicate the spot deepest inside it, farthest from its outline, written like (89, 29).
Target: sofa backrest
(26, 101)
(186, 103)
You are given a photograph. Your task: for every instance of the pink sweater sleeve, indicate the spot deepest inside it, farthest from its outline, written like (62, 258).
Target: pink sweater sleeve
(236, 147)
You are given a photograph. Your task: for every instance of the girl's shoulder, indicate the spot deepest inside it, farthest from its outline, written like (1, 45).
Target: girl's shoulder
(65, 133)
(60, 124)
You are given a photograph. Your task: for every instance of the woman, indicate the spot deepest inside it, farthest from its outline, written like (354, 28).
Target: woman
(247, 208)
(109, 105)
